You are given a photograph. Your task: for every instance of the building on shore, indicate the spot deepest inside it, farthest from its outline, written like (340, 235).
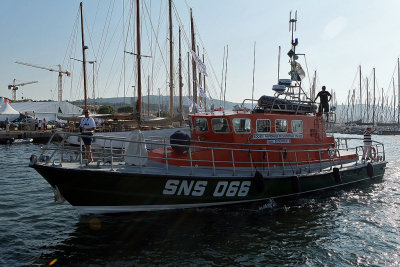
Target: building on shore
(50, 110)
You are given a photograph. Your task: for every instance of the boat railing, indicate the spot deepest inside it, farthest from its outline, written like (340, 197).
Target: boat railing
(291, 161)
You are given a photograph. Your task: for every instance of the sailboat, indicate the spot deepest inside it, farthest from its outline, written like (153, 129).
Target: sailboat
(156, 127)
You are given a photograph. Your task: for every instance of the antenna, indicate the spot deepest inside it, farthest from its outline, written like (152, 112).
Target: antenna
(279, 61)
(292, 23)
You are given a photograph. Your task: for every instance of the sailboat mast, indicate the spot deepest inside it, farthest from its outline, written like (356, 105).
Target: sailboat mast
(148, 95)
(159, 101)
(189, 88)
(83, 56)
(139, 58)
(367, 101)
(171, 63)
(193, 63)
(222, 79)
(394, 102)
(348, 105)
(373, 105)
(180, 74)
(204, 87)
(360, 107)
(200, 80)
(398, 91)
(314, 85)
(352, 104)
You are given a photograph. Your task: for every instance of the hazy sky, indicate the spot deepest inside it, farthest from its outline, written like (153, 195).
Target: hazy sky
(336, 36)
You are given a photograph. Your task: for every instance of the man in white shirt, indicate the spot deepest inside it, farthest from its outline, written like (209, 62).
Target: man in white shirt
(87, 127)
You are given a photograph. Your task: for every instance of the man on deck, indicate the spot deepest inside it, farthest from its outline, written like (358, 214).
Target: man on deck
(324, 101)
(87, 126)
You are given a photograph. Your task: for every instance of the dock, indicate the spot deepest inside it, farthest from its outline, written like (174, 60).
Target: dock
(37, 136)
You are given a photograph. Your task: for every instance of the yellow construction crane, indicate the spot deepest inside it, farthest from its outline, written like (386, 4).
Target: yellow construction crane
(60, 73)
(14, 88)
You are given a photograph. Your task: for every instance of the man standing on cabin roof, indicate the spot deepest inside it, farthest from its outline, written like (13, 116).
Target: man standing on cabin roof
(87, 127)
(324, 101)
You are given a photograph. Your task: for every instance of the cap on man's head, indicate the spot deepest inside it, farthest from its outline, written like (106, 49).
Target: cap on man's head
(323, 87)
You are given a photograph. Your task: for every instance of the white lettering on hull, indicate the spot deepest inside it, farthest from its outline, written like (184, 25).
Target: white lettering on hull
(197, 188)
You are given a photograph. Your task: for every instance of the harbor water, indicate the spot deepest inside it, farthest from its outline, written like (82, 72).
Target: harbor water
(353, 226)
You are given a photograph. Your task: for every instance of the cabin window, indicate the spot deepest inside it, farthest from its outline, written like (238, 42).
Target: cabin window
(190, 125)
(281, 126)
(297, 126)
(263, 126)
(220, 125)
(201, 124)
(241, 125)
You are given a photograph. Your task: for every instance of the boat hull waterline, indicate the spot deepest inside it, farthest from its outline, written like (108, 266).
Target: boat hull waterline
(95, 191)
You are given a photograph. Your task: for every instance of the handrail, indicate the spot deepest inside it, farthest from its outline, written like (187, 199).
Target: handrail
(290, 160)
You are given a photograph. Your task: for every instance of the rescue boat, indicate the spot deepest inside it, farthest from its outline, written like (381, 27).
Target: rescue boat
(278, 149)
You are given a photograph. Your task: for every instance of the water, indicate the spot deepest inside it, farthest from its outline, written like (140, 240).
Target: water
(353, 226)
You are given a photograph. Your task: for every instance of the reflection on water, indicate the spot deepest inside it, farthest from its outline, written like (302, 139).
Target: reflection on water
(282, 233)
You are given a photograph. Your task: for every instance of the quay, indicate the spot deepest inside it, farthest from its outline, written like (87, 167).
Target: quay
(37, 136)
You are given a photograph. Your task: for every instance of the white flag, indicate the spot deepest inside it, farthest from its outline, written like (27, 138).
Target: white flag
(199, 109)
(201, 91)
(199, 64)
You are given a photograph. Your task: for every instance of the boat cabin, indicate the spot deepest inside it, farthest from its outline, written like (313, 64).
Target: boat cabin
(251, 139)
(259, 128)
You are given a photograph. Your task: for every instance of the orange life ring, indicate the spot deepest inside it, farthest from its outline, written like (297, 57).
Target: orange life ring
(373, 153)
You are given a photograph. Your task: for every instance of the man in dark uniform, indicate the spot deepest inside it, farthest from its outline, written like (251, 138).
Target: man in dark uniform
(324, 101)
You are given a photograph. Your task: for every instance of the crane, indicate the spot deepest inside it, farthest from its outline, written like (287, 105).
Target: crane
(60, 73)
(14, 88)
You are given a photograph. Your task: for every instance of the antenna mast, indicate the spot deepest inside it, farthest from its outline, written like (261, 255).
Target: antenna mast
(294, 42)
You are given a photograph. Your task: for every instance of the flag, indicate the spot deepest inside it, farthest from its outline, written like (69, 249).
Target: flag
(201, 91)
(300, 72)
(200, 65)
(199, 109)
(297, 73)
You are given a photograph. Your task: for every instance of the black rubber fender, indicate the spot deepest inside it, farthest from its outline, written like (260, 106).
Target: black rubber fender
(337, 175)
(296, 184)
(259, 182)
(370, 170)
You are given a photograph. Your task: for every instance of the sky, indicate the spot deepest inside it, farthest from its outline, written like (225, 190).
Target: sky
(336, 36)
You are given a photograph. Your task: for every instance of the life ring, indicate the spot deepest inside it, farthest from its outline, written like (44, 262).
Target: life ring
(331, 152)
(373, 153)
